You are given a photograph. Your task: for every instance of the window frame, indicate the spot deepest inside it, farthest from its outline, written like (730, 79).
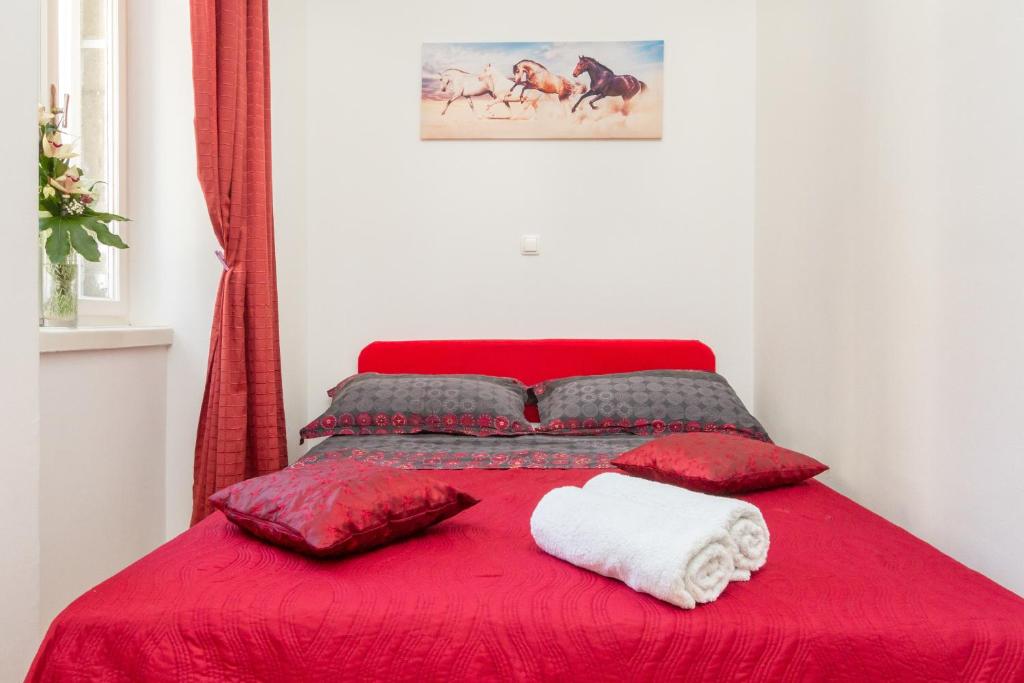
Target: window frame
(57, 17)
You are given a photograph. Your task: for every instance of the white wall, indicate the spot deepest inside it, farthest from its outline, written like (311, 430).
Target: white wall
(19, 343)
(101, 497)
(288, 102)
(174, 271)
(411, 239)
(889, 290)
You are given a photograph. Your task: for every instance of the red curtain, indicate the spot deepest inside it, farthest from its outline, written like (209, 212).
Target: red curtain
(241, 426)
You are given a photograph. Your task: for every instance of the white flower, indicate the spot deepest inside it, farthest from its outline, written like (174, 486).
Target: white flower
(53, 147)
(69, 184)
(73, 207)
(48, 191)
(45, 115)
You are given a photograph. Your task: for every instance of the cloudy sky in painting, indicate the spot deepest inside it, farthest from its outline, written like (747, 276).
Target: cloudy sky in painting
(642, 59)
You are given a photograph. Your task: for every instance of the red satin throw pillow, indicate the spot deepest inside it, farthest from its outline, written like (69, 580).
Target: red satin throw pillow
(336, 507)
(718, 463)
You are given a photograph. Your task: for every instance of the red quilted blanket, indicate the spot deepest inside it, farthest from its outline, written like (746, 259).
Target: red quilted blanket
(845, 596)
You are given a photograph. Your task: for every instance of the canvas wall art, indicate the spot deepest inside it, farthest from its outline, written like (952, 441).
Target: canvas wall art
(582, 90)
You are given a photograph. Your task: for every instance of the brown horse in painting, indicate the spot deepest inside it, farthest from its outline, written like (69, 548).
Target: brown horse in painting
(605, 83)
(533, 75)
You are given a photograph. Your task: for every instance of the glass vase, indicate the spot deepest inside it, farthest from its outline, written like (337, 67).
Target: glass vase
(60, 296)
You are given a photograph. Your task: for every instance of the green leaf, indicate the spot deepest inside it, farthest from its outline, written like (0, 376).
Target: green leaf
(58, 244)
(105, 217)
(84, 243)
(103, 233)
(50, 204)
(47, 222)
(69, 232)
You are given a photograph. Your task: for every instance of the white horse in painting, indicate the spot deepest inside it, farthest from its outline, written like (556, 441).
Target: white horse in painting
(458, 83)
(503, 85)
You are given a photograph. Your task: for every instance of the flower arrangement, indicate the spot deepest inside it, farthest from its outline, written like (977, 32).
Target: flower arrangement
(68, 224)
(65, 211)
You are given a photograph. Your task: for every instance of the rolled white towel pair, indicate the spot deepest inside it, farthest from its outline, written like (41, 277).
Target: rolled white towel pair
(677, 550)
(748, 533)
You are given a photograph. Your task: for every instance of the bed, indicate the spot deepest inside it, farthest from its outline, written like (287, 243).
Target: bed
(845, 595)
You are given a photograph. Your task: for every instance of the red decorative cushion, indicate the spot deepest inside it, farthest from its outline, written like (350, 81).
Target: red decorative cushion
(336, 507)
(718, 463)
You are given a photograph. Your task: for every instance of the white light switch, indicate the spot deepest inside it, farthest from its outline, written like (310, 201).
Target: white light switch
(529, 245)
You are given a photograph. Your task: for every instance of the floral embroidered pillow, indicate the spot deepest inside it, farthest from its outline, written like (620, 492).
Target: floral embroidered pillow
(718, 463)
(647, 402)
(374, 403)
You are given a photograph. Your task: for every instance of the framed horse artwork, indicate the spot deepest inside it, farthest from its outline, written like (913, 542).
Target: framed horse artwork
(593, 91)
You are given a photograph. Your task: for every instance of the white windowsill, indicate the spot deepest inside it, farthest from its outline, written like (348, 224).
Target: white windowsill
(55, 339)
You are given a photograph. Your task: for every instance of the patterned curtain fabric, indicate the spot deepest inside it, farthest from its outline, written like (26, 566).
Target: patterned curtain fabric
(241, 426)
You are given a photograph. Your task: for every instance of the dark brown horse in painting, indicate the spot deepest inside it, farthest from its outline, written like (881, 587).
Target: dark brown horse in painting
(605, 83)
(533, 75)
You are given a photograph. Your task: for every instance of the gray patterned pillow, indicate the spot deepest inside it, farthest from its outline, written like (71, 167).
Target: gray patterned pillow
(648, 402)
(374, 403)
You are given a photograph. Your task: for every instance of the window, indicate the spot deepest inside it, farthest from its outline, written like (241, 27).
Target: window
(83, 57)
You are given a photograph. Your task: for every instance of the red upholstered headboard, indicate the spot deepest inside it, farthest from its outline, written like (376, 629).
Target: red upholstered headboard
(535, 360)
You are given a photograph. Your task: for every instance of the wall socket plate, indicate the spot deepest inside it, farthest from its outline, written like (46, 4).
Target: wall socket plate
(529, 245)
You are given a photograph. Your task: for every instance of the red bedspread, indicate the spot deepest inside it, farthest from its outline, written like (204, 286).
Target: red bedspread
(845, 596)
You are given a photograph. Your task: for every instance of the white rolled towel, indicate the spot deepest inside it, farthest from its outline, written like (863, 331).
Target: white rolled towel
(683, 564)
(743, 521)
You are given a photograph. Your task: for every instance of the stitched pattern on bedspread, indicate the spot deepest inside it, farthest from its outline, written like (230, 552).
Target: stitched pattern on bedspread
(448, 452)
